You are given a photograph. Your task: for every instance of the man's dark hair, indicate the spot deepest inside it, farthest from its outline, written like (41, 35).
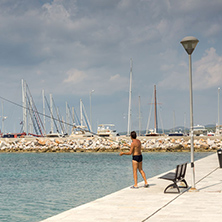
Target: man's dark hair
(133, 135)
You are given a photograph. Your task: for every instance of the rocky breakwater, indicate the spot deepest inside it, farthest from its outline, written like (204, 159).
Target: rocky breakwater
(168, 144)
(98, 144)
(58, 145)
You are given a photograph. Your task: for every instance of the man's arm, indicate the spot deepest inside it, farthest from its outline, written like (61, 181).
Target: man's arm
(128, 153)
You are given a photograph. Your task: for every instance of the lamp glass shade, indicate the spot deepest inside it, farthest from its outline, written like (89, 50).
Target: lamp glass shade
(189, 43)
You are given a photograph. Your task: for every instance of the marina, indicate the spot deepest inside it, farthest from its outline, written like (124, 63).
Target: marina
(76, 125)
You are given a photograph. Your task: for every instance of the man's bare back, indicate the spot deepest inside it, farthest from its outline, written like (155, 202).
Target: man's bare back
(136, 146)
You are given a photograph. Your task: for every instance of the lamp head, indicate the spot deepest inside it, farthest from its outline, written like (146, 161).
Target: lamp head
(189, 43)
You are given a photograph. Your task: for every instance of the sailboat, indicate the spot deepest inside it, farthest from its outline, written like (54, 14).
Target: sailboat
(83, 129)
(151, 132)
(175, 133)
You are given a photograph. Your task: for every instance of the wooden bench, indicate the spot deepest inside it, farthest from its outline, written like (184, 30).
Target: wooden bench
(178, 176)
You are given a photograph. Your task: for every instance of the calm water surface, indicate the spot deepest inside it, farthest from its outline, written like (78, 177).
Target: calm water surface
(35, 186)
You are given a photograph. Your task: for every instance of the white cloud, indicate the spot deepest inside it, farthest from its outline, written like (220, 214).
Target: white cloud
(174, 80)
(78, 82)
(208, 70)
(166, 67)
(206, 73)
(75, 76)
(213, 30)
(118, 83)
(56, 11)
(124, 4)
(115, 77)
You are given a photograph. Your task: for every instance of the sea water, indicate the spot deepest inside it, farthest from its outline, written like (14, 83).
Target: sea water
(35, 186)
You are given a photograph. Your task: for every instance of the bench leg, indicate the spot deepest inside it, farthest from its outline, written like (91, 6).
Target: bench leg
(174, 185)
(186, 185)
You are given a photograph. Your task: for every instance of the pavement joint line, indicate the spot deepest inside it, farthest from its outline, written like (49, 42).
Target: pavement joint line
(178, 196)
(207, 175)
(166, 204)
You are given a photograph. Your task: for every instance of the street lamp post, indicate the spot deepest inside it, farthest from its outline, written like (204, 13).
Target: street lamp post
(218, 109)
(90, 99)
(189, 43)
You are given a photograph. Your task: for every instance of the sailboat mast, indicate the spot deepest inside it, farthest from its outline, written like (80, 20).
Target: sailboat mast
(218, 108)
(73, 117)
(51, 111)
(130, 95)
(2, 118)
(174, 121)
(81, 115)
(43, 106)
(24, 105)
(30, 109)
(155, 107)
(139, 117)
(184, 122)
(67, 119)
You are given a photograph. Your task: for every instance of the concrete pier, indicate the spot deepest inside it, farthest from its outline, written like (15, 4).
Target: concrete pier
(151, 204)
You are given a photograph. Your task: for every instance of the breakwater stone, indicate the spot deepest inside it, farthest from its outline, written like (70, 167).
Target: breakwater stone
(116, 144)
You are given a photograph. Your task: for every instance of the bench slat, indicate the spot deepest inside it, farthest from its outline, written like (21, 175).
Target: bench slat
(168, 176)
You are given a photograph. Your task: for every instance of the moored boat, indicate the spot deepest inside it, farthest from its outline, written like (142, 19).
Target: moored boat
(81, 131)
(107, 130)
(14, 135)
(152, 132)
(176, 134)
(199, 130)
(210, 134)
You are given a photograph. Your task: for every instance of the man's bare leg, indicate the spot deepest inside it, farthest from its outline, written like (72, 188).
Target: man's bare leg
(135, 167)
(142, 172)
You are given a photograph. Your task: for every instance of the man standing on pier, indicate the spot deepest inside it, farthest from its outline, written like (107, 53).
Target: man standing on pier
(137, 159)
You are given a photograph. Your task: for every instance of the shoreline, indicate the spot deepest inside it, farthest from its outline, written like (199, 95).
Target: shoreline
(98, 144)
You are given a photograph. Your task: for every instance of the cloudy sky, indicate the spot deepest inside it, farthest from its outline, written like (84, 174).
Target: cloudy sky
(70, 47)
